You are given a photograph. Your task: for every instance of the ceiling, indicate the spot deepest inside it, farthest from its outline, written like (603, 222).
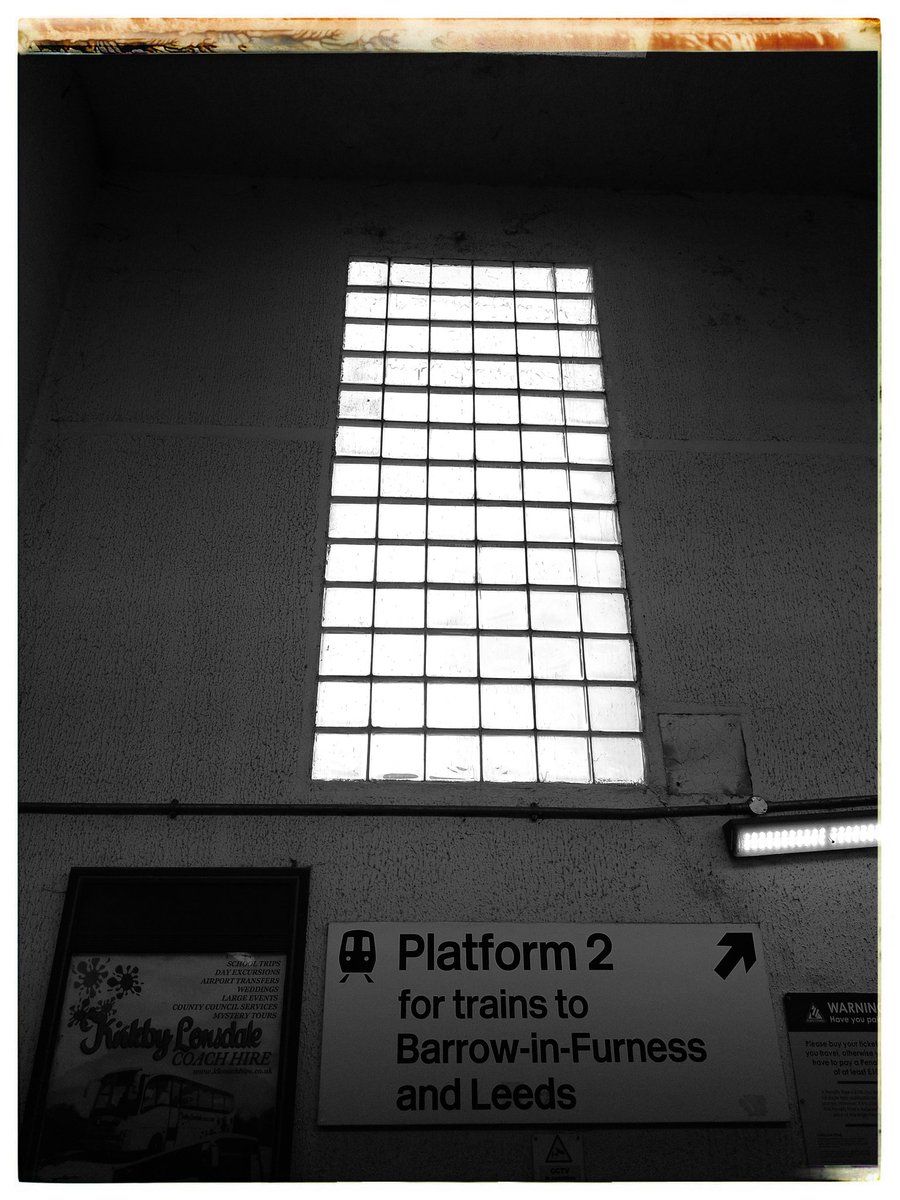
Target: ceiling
(781, 122)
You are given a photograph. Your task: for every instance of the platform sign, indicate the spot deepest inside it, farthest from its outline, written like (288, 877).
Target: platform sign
(834, 1049)
(439, 1023)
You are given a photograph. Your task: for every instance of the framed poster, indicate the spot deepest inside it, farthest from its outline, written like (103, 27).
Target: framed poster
(169, 1044)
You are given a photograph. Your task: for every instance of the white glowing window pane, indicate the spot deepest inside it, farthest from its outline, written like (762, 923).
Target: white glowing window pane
(536, 310)
(452, 655)
(496, 408)
(500, 523)
(541, 342)
(412, 338)
(599, 568)
(351, 562)
(538, 409)
(588, 448)
(499, 483)
(579, 343)
(453, 705)
(407, 371)
(363, 336)
(451, 483)
(451, 339)
(451, 406)
(546, 484)
(345, 653)
(451, 564)
(396, 756)
(543, 446)
(366, 304)
(398, 654)
(340, 756)
(550, 565)
(405, 306)
(451, 522)
(505, 658)
(451, 609)
(538, 375)
(360, 441)
(608, 658)
(402, 441)
(575, 311)
(451, 275)
(573, 279)
(398, 705)
(352, 520)
(493, 277)
(534, 279)
(560, 707)
(359, 369)
(402, 480)
(596, 525)
(350, 606)
(342, 703)
(507, 706)
(450, 443)
(592, 487)
(555, 611)
(410, 274)
(507, 609)
(495, 339)
(556, 658)
(614, 709)
(494, 308)
(404, 521)
(563, 760)
(452, 757)
(451, 372)
(508, 759)
(618, 760)
(501, 564)
(405, 406)
(582, 377)
(363, 405)
(604, 612)
(399, 608)
(497, 445)
(401, 564)
(448, 306)
(367, 273)
(496, 373)
(548, 525)
(586, 410)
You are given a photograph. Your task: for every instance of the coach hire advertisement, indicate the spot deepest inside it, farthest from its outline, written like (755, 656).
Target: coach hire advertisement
(165, 1067)
(539, 1024)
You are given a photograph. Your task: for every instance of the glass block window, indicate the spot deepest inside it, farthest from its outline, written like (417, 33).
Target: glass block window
(475, 619)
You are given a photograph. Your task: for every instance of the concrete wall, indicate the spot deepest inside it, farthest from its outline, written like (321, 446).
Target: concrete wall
(174, 515)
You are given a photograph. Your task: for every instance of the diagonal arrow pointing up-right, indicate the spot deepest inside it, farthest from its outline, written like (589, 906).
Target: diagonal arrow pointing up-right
(740, 947)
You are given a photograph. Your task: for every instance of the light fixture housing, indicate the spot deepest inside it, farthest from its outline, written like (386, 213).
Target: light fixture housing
(756, 838)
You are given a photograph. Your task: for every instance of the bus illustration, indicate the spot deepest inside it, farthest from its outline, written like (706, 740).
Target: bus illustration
(357, 953)
(136, 1113)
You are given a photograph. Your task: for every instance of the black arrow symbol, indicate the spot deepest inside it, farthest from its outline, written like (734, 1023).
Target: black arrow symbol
(741, 947)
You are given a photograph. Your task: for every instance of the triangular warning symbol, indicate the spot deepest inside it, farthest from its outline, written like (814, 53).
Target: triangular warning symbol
(814, 1014)
(557, 1152)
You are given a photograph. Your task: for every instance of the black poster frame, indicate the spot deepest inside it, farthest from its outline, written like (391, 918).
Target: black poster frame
(179, 911)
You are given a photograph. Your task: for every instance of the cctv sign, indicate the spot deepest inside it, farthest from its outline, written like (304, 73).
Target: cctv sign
(476, 1023)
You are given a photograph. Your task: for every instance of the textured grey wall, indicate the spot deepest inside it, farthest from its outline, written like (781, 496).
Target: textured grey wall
(174, 513)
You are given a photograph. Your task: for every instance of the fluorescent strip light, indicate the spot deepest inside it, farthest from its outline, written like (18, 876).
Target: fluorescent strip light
(847, 831)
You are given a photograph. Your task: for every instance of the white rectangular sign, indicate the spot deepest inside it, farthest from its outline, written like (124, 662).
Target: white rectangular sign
(539, 1024)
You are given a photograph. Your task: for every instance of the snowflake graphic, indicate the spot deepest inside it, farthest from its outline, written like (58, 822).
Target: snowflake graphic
(89, 976)
(125, 981)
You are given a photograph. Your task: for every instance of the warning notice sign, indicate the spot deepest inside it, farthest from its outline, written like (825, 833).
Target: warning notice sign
(536, 1024)
(834, 1049)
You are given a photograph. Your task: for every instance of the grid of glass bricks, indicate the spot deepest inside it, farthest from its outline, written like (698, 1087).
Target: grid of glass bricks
(475, 620)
